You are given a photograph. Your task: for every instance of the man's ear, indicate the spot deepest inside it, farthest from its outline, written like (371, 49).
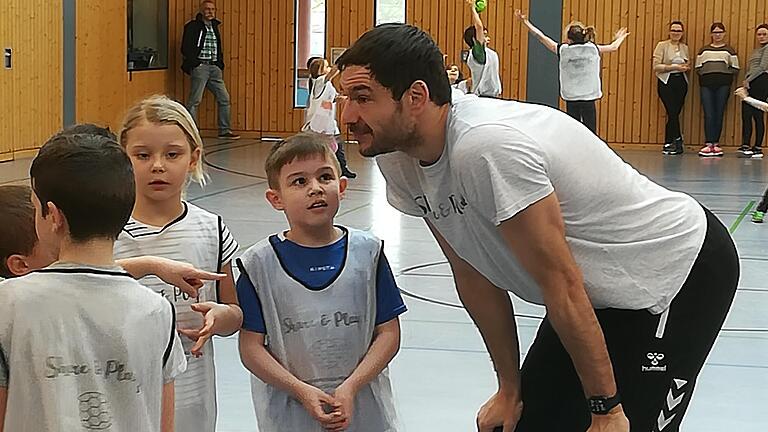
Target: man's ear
(275, 199)
(418, 96)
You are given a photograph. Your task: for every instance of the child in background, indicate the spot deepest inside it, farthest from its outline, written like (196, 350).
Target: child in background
(759, 215)
(320, 306)
(82, 344)
(321, 112)
(579, 64)
(456, 78)
(483, 62)
(165, 149)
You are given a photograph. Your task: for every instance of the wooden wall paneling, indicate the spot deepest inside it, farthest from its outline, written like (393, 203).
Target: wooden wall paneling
(7, 123)
(629, 80)
(33, 87)
(284, 75)
(630, 111)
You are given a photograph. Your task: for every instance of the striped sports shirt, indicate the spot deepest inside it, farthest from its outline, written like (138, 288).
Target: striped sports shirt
(200, 238)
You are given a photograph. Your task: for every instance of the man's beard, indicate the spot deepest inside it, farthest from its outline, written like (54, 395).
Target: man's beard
(396, 138)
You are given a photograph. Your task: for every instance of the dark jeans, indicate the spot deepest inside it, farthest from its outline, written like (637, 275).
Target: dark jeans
(651, 362)
(763, 206)
(714, 100)
(583, 111)
(672, 95)
(758, 89)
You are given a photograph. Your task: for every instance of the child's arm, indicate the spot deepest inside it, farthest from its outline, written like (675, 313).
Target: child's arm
(743, 94)
(223, 318)
(477, 22)
(260, 362)
(621, 35)
(3, 404)
(182, 275)
(385, 345)
(544, 39)
(167, 411)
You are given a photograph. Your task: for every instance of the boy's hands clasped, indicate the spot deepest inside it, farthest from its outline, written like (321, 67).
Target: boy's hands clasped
(334, 412)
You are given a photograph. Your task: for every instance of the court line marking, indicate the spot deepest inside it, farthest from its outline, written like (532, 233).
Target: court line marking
(737, 222)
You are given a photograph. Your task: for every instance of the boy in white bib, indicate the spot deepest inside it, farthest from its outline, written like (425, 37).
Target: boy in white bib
(320, 305)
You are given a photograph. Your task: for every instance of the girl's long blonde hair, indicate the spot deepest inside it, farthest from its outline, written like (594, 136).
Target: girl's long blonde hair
(160, 109)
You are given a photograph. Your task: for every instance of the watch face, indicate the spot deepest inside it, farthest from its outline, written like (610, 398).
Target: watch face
(599, 405)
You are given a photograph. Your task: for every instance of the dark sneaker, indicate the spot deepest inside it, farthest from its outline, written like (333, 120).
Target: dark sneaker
(229, 135)
(675, 148)
(757, 153)
(745, 151)
(758, 216)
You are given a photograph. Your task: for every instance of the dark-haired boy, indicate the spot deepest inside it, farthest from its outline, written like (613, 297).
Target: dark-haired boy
(82, 344)
(320, 305)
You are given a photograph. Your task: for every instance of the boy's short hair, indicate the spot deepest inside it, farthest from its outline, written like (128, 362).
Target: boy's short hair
(90, 179)
(300, 146)
(17, 225)
(88, 128)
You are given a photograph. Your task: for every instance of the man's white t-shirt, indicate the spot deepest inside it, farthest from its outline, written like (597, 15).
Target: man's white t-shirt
(634, 240)
(85, 348)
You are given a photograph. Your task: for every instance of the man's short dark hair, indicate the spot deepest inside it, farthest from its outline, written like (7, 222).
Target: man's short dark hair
(90, 179)
(397, 56)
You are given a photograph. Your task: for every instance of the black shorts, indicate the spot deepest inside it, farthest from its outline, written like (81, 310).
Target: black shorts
(656, 358)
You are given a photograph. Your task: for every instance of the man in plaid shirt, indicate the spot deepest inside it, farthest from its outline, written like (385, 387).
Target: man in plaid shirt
(204, 63)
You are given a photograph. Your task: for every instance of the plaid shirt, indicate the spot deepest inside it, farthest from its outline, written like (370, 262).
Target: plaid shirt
(209, 51)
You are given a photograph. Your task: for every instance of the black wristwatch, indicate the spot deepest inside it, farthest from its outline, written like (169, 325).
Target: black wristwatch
(601, 405)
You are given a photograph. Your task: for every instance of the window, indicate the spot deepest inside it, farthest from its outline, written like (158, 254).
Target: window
(390, 11)
(310, 42)
(147, 34)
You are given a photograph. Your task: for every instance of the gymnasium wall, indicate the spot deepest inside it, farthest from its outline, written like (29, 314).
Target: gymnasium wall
(105, 88)
(630, 111)
(31, 92)
(259, 44)
(446, 20)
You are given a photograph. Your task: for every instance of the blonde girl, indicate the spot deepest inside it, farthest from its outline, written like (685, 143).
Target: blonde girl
(166, 151)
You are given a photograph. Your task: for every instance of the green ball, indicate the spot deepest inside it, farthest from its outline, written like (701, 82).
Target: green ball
(480, 5)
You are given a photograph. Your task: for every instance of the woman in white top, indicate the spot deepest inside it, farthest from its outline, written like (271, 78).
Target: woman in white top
(671, 62)
(579, 61)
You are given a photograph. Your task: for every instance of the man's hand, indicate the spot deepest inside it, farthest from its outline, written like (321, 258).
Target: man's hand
(742, 93)
(182, 275)
(500, 413)
(211, 312)
(614, 421)
(520, 15)
(321, 406)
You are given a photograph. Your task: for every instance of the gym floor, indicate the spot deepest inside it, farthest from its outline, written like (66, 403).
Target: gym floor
(443, 374)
